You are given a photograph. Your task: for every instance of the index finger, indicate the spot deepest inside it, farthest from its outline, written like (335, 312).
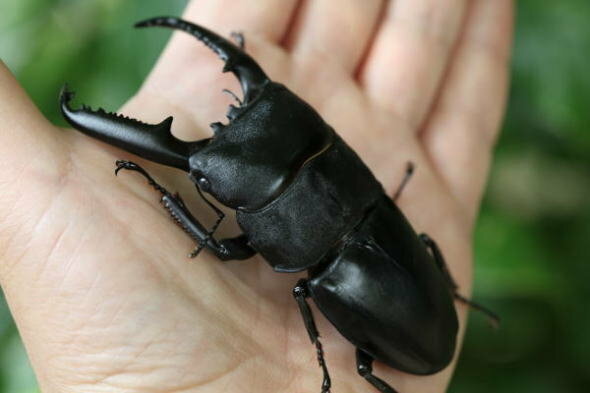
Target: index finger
(466, 119)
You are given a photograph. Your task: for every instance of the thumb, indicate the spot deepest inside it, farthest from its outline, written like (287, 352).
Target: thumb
(33, 153)
(29, 144)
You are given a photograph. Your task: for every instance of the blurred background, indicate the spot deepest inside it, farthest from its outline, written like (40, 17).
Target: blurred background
(533, 236)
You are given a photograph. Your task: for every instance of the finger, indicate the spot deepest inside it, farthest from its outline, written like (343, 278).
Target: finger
(334, 32)
(268, 18)
(467, 115)
(28, 142)
(410, 54)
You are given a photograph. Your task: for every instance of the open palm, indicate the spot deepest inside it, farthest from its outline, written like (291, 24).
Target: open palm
(97, 275)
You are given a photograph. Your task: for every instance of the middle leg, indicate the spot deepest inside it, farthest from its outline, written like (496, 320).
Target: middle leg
(440, 261)
(301, 293)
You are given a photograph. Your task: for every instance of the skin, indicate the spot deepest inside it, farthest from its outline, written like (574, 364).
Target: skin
(95, 273)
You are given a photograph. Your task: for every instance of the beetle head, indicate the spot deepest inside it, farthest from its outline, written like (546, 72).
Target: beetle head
(269, 137)
(249, 161)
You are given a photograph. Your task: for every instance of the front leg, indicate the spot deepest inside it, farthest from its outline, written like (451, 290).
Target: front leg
(225, 249)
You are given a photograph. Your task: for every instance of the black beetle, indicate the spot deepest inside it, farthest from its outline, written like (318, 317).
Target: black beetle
(294, 185)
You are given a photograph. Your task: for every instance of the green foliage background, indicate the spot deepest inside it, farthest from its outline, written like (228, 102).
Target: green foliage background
(532, 239)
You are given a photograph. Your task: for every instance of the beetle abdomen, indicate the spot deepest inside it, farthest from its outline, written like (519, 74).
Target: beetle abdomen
(402, 314)
(326, 200)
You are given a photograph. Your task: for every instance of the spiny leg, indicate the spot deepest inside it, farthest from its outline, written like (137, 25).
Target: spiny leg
(300, 293)
(440, 261)
(409, 172)
(226, 249)
(364, 366)
(175, 207)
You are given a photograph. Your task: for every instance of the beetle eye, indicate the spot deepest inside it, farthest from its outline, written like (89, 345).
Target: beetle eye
(203, 183)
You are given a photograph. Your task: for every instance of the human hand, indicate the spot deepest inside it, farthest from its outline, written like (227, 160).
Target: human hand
(94, 271)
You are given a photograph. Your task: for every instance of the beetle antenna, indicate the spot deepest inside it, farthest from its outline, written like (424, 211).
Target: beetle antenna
(220, 214)
(231, 93)
(220, 217)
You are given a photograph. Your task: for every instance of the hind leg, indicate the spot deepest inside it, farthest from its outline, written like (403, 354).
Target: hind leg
(301, 293)
(440, 261)
(364, 366)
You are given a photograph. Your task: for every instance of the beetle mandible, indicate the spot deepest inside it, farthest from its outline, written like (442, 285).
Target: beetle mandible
(294, 185)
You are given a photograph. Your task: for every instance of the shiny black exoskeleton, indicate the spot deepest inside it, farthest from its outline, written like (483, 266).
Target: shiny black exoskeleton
(304, 200)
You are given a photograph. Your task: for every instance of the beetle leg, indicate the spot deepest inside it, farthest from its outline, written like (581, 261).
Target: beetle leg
(238, 37)
(409, 172)
(440, 261)
(300, 293)
(364, 366)
(226, 249)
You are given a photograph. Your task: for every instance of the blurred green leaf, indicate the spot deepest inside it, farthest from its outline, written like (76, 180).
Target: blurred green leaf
(14, 358)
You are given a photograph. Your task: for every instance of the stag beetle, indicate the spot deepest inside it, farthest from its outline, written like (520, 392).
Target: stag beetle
(294, 184)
